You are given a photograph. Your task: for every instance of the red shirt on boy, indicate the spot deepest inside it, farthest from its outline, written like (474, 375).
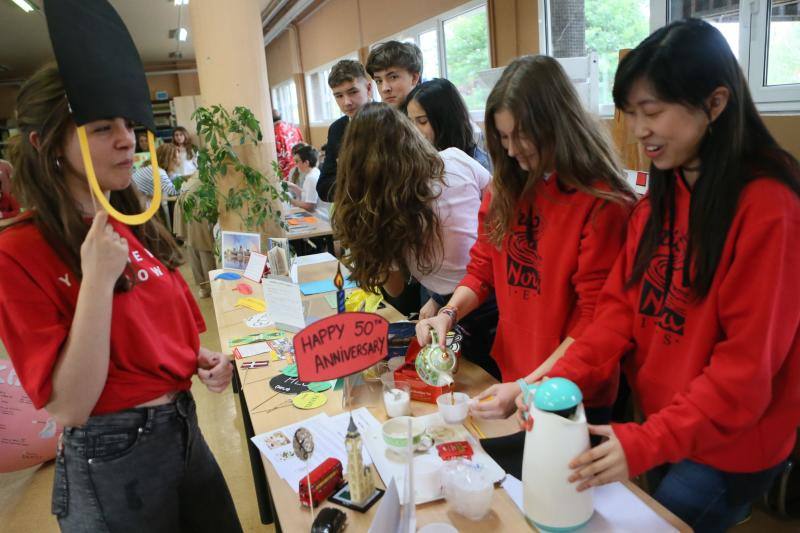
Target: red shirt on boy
(154, 330)
(717, 378)
(548, 273)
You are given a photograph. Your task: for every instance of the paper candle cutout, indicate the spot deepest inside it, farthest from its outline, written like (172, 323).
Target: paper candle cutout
(338, 282)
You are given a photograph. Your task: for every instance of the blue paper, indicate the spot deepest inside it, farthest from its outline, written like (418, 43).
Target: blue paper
(228, 275)
(325, 285)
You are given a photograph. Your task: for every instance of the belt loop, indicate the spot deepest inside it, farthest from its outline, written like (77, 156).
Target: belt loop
(149, 416)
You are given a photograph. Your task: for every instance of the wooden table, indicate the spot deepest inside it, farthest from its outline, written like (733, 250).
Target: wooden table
(290, 516)
(320, 229)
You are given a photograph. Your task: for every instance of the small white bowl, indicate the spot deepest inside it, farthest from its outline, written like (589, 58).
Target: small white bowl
(453, 408)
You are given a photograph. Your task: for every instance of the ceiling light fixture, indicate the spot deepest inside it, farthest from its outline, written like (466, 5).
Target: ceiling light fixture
(181, 2)
(27, 7)
(181, 34)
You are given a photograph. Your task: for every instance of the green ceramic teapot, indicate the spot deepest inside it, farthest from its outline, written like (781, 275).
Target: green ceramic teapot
(435, 365)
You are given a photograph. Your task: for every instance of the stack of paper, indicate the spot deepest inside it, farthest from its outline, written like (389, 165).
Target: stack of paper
(329, 433)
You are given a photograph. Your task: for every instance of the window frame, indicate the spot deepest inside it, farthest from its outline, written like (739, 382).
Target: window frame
(754, 20)
(289, 87)
(323, 71)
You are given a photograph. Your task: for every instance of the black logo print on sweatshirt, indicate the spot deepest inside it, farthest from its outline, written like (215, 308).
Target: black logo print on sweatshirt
(523, 264)
(670, 314)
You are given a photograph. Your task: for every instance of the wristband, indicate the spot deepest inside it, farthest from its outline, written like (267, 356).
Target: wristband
(452, 312)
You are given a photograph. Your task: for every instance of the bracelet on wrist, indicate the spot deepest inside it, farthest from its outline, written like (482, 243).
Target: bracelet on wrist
(452, 312)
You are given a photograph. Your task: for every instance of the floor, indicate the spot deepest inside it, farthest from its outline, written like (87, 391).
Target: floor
(25, 495)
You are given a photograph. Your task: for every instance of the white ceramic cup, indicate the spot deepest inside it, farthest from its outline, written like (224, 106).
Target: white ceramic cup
(453, 408)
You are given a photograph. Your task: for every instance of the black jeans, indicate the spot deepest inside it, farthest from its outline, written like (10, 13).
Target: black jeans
(146, 469)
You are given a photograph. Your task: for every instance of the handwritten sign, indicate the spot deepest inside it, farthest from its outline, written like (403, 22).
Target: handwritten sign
(340, 345)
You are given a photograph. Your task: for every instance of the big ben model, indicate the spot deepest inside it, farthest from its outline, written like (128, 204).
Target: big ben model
(359, 476)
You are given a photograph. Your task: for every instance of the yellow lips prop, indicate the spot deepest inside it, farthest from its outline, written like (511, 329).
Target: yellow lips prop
(131, 220)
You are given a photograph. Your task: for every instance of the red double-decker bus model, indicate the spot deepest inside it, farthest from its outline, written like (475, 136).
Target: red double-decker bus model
(325, 479)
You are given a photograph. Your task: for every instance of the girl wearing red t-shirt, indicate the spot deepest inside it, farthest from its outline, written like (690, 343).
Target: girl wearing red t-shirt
(103, 332)
(703, 300)
(550, 227)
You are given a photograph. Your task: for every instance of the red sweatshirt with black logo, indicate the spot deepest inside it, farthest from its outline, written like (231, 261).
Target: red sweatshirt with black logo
(718, 378)
(547, 274)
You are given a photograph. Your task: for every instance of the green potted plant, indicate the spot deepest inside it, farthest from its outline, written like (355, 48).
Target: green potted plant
(255, 199)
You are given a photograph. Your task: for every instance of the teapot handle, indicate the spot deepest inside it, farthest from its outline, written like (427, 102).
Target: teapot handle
(528, 391)
(434, 337)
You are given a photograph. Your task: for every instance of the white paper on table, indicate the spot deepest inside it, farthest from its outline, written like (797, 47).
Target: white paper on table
(616, 509)
(326, 444)
(284, 304)
(387, 517)
(364, 421)
(249, 350)
(255, 267)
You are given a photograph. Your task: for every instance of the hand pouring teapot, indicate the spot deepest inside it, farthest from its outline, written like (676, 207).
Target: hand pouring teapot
(435, 365)
(560, 433)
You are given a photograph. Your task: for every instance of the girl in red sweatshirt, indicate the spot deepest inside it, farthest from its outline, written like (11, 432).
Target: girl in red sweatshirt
(702, 303)
(549, 228)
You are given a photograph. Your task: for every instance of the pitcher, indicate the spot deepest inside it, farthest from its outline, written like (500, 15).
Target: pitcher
(560, 433)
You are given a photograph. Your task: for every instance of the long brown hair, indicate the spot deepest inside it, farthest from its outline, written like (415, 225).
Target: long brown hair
(546, 110)
(187, 142)
(41, 187)
(386, 186)
(166, 155)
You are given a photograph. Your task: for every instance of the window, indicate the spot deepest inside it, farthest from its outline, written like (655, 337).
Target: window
(284, 99)
(466, 41)
(455, 45)
(764, 35)
(322, 107)
(575, 28)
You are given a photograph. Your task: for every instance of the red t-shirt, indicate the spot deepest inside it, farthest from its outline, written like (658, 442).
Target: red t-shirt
(718, 379)
(546, 287)
(154, 328)
(286, 136)
(9, 207)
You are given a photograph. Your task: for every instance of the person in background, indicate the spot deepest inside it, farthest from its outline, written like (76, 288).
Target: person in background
(403, 208)
(305, 160)
(396, 68)
(9, 207)
(168, 161)
(142, 144)
(351, 89)
(440, 114)
(286, 136)
(551, 228)
(702, 304)
(321, 156)
(295, 176)
(187, 153)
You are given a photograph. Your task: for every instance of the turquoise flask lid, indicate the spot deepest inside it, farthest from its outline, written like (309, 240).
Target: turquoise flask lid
(557, 395)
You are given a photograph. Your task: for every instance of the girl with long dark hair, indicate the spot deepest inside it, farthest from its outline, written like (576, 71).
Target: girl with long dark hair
(703, 301)
(440, 114)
